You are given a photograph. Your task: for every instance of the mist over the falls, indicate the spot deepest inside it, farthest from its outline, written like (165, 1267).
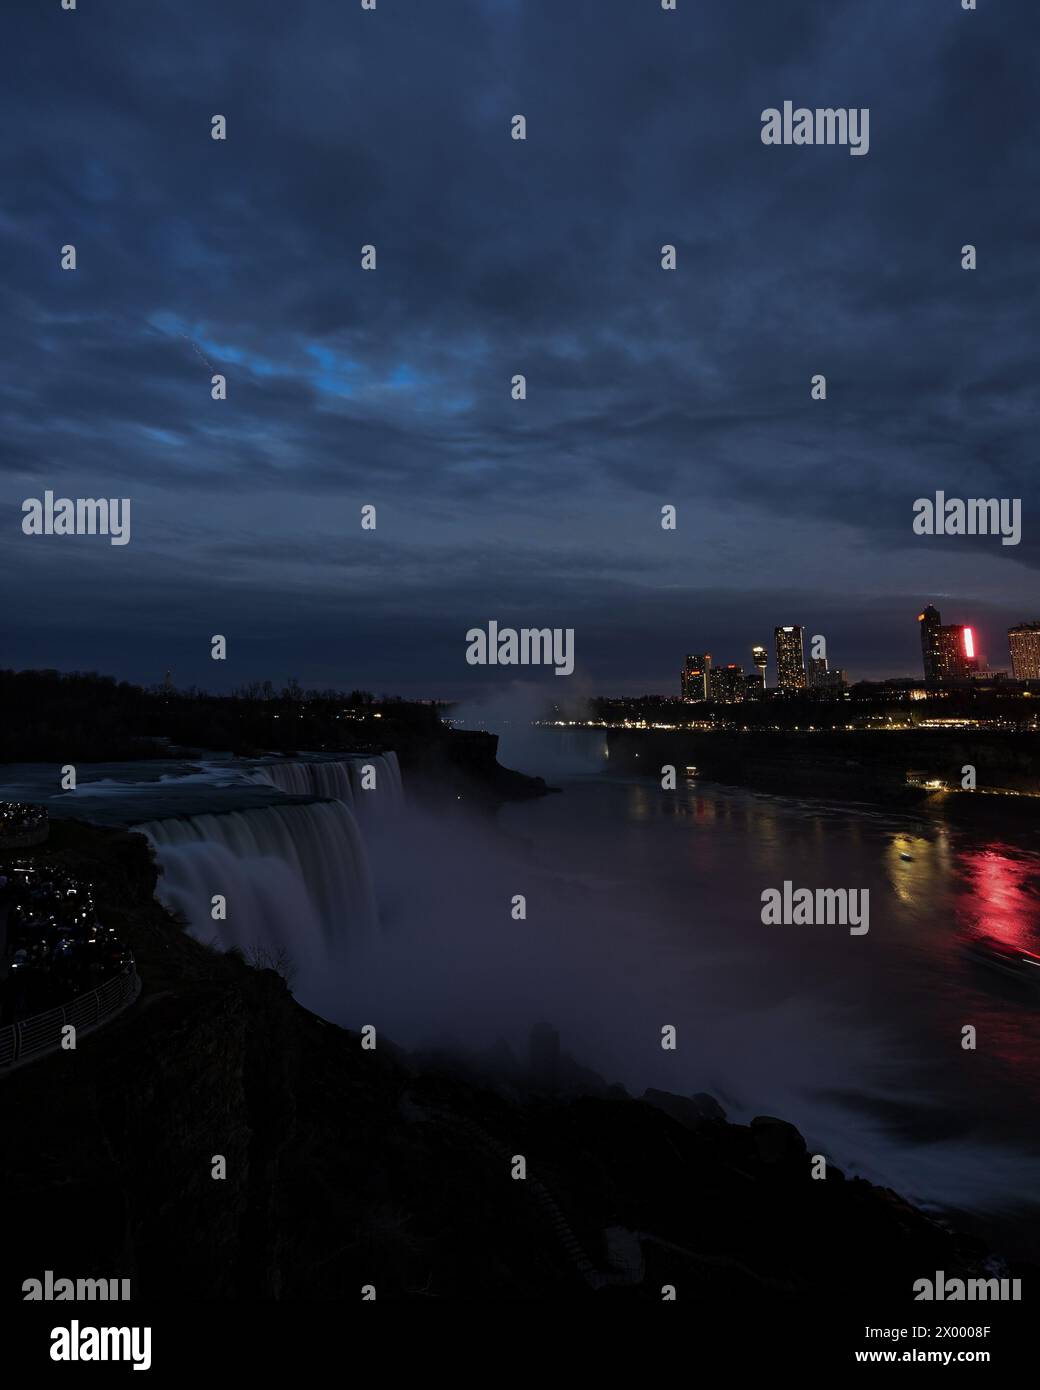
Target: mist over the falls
(510, 711)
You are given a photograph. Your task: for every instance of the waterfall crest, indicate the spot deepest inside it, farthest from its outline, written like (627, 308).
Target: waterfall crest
(386, 798)
(326, 780)
(343, 780)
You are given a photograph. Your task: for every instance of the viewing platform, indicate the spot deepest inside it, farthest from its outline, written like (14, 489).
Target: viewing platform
(42, 1033)
(22, 825)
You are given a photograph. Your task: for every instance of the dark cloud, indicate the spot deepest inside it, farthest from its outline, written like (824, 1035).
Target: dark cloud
(498, 257)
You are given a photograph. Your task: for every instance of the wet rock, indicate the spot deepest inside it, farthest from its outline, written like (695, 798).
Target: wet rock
(709, 1107)
(690, 1111)
(776, 1140)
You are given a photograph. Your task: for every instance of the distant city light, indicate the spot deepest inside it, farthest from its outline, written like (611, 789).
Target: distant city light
(969, 643)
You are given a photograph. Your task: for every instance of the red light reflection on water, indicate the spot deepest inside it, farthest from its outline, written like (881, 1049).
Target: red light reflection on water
(1001, 900)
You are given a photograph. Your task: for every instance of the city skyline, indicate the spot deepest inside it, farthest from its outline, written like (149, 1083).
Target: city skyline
(758, 666)
(947, 651)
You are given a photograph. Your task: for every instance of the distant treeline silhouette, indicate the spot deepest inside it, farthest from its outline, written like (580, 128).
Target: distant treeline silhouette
(55, 716)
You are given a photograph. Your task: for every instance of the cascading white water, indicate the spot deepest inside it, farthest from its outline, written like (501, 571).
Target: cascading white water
(393, 767)
(308, 779)
(383, 796)
(293, 877)
(347, 781)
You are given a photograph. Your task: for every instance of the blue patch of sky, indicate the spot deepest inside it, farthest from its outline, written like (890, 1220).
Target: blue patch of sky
(162, 436)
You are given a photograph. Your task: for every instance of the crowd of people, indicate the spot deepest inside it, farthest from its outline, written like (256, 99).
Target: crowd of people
(54, 947)
(20, 819)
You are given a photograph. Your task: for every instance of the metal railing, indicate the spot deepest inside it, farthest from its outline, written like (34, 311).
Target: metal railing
(32, 1037)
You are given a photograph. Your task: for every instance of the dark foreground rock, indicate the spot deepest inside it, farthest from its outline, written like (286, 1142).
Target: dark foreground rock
(347, 1167)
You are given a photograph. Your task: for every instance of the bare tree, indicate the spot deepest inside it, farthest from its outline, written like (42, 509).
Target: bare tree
(277, 959)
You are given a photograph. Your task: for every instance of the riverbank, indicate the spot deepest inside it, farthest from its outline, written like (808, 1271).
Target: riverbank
(871, 767)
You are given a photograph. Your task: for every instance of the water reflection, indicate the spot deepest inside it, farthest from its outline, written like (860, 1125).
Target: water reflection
(918, 867)
(999, 896)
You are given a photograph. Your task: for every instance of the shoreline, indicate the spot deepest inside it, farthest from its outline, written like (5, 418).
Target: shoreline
(786, 766)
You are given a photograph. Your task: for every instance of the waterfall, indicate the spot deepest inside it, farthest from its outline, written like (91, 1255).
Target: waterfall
(393, 768)
(383, 801)
(316, 779)
(295, 877)
(342, 781)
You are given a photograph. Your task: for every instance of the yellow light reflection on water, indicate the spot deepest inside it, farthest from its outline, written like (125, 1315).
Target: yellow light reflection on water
(917, 866)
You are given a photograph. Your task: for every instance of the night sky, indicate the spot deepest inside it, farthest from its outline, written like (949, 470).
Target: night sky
(498, 257)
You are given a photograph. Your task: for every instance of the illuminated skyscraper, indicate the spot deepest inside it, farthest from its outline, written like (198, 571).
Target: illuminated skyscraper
(695, 677)
(931, 643)
(1024, 644)
(959, 651)
(790, 659)
(947, 649)
(727, 684)
(760, 657)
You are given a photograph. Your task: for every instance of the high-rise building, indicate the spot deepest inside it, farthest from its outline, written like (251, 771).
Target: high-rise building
(823, 682)
(931, 641)
(1024, 644)
(817, 675)
(947, 649)
(727, 684)
(760, 657)
(790, 659)
(754, 686)
(957, 657)
(695, 677)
